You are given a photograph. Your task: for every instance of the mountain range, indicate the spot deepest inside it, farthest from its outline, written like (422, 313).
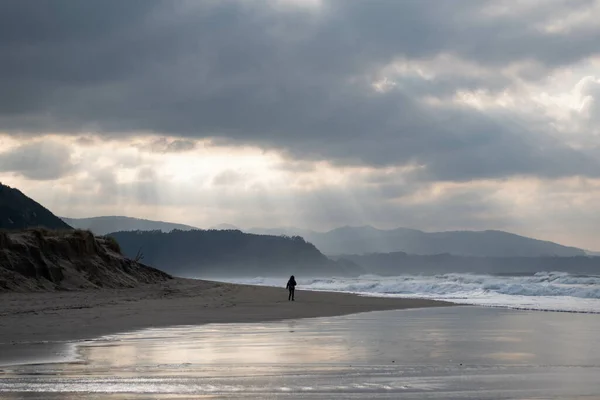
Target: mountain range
(224, 250)
(367, 239)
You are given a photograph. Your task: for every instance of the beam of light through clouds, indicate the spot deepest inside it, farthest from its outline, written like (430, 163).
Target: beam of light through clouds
(471, 114)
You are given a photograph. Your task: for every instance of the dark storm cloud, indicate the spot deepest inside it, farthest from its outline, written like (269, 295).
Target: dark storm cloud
(288, 78)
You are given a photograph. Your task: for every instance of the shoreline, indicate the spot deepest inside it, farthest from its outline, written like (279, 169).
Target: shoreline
(78, 315)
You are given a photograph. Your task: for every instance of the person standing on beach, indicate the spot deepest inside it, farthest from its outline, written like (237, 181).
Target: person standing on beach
(291, 286)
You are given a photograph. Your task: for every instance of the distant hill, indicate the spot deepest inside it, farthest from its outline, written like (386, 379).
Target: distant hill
(366, 239)
(223, 253)
(399, 263)
(18, 211)
(105, 225)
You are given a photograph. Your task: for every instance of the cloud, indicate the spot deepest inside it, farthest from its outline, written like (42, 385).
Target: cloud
(227, 178)
(296, 81)
(313, 112)
(165, 145)
(323, 198)
(146, 174)
(44, 160)
(86, 141)
(590, 107)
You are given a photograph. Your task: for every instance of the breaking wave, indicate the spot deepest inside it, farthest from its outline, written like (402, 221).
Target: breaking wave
(548, 291)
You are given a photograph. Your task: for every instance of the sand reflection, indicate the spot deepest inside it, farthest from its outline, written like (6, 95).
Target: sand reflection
(470, 352)
(445, 337)
(221, 344)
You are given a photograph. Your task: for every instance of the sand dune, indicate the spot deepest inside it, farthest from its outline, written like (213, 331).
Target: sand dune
(41, 260)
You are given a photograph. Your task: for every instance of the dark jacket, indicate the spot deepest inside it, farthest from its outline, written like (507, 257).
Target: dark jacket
(291, 285)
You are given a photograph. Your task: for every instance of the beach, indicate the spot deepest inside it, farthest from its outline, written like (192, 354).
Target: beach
(430, 353)
(190, 339)
(74, 315)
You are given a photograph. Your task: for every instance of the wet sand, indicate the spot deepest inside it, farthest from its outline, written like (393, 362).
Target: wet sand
(65, 316)
(435, 353)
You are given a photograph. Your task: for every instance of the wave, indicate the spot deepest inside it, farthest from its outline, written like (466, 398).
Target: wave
(556, 291)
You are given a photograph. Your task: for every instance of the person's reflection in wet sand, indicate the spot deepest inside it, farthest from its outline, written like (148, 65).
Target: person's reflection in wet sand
(292, 326)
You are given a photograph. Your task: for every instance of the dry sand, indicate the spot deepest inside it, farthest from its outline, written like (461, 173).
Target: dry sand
(63, 316)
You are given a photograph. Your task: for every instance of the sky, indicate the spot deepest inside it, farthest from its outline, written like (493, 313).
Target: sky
(436, 115)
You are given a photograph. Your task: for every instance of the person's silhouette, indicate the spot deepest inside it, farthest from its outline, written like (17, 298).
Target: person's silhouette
(291, 286)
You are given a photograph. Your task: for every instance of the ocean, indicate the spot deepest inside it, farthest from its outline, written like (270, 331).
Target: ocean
(543, 291)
